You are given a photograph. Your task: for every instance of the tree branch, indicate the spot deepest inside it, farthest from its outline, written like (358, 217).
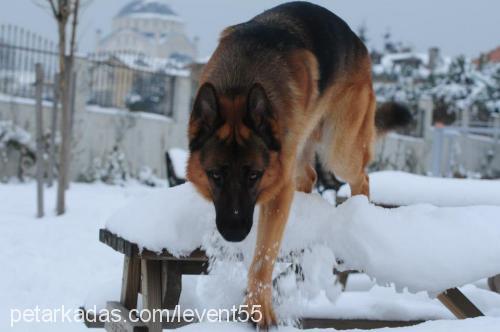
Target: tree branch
(53, 7)
(74, 24)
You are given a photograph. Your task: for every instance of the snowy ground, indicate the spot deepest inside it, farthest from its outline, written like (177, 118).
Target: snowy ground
(58, 261)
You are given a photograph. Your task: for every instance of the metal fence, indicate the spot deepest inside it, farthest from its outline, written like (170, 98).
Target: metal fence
(132, 81)
(20, 51)
(119, 79)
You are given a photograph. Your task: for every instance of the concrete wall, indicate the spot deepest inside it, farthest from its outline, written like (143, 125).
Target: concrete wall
(144, 137)
(440, 152)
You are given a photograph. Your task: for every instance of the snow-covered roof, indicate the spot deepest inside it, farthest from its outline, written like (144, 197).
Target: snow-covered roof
(389, 62)
(138, 61)
(146, 6)
(145, 63)
(148, 9)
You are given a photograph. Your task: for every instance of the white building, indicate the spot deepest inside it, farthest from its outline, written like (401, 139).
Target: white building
(149, 27)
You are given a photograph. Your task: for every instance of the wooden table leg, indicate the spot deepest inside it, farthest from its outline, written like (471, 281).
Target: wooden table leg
(172, 283)
(459, 304)
(151, 292)
(131, 281)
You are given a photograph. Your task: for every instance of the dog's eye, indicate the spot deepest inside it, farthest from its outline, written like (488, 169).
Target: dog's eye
(254, 175)
(215, 175)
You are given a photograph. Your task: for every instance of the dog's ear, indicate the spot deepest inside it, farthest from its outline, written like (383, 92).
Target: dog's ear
(260, 116)
(205, 117)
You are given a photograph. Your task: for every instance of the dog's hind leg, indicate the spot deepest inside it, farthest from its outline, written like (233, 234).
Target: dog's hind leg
(349, 135)
(305, 174)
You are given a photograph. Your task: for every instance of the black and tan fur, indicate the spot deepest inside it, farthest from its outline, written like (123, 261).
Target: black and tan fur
(292, 81)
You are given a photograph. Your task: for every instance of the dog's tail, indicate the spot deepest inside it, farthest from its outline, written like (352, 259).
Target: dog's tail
(390, 116)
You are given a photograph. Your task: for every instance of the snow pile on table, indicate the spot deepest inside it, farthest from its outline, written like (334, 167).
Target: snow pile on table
(400, 188)
(422, 247)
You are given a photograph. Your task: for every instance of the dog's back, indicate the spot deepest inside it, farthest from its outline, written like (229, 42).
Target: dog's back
(257, 47)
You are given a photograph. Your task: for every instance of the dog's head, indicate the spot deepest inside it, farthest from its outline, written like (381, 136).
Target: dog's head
(233, 151)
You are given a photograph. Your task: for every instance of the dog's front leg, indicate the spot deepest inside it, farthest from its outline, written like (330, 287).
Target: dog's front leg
(272, 221)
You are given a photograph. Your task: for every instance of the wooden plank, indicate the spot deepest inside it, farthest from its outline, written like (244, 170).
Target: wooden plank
(124, 324)
(348, 324)
(90, 320)
(131, 249)
(196, 255)
(118, 243)
(194, 267)
(131, 282)
(151, 292)
(305, 323)
(459, 304)
(172, 284)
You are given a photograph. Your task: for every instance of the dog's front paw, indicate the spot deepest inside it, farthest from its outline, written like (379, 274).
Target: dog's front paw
(259, 303)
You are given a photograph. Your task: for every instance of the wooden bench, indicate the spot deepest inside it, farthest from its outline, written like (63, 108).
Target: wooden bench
(158, 277)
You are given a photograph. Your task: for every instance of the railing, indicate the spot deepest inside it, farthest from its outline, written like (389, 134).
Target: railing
(120, 80)
(20, 51)
(126, 80)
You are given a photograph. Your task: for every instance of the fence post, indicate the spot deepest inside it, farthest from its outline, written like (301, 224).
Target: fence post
(496, 127)
(465, 121)
(437, 150)
(39, 139)
(71, 108)
(53, 130)
(426, 105)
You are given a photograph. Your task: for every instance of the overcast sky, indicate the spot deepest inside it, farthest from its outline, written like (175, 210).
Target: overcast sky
(456, 26)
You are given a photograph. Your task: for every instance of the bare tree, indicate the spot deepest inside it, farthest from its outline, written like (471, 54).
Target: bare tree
(63, 12)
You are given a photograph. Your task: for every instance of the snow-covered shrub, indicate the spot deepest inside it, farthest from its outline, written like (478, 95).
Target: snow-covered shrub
(111, 169)
(16, 142)
(148, 177)
(463, 86)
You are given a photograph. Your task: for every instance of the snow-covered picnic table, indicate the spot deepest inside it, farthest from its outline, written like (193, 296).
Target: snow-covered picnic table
(418, 248)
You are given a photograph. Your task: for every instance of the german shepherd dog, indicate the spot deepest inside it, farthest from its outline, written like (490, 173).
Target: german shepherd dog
(291, 82)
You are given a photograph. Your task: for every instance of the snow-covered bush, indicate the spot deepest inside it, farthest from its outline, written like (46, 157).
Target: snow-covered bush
(148, 177)
(463, 86)
(17, 143)
(111, 169)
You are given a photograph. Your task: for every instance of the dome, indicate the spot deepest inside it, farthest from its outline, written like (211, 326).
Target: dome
(147, 7)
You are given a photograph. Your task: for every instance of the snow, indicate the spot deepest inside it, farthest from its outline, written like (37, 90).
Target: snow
(179, 159)
(483, 324)
(55, 261)
(369, 238)
(9, 132)
(125, 112)
(22, 100)
(448, 247)
(167, 65)
(400, 188)
(59, 261)
(151, 16)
